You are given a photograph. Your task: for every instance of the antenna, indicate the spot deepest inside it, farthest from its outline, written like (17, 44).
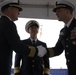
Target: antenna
(18, 1)
(56, 3)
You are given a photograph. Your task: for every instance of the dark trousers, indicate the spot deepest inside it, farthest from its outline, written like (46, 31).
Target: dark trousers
(72, 69)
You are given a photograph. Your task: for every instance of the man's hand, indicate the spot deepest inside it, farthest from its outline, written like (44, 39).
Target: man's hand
(32, 51)
(41, 51)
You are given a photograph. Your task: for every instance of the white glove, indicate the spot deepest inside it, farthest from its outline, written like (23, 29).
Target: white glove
(41, 51)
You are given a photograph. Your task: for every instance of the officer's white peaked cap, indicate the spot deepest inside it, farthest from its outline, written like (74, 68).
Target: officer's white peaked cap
(6, 4)
(31, 23)
(64, 4)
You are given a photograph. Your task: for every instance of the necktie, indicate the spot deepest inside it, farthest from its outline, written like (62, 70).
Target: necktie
(65, 30)
(33, 42)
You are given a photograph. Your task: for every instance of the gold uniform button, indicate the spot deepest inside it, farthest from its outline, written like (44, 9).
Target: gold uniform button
(66, 38)
(32, 60)
(67, 53)
(66, 45)
(32, 65)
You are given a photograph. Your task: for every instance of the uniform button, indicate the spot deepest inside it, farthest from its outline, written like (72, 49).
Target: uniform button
(32, 60)
(67, 53)
(66, 45)
(66, 38)
(32, 65)
(68, 60)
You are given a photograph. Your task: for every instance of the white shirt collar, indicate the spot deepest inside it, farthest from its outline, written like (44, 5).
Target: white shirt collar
(68, 24)
(32, 39)
(7, 17)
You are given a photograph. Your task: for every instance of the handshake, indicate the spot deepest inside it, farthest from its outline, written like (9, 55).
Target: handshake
(41, 50)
